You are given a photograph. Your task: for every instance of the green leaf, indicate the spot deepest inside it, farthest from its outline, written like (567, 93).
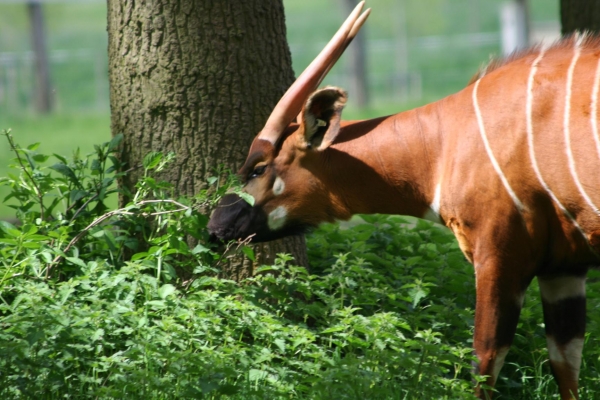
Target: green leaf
(13, 232)
(60, 158)
(46, 256)
(249, 252)
(98, 234)
(280, 343)
(417, 294)
(5, 226)
(142, 322)
(77, 195)
(115, 141)
(97, 334)
(165, 290)
(257, 374)
(40, 157)
(76, 261)
(138, 256)
(333, 329)
(200, 249)
(66, 171)
(34, 336)
(247, 197)
(96, 166)
(156, 304)
(152, 159)
(299, 341)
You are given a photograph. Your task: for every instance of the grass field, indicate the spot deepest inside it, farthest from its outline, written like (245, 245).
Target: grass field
(58, 134)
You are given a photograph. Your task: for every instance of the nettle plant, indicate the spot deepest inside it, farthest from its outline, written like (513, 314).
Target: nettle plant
(122, 303)
(97, 302)
(63, 210)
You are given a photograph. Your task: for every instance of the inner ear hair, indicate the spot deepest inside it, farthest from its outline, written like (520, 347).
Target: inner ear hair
(321, 116)
(316, 138)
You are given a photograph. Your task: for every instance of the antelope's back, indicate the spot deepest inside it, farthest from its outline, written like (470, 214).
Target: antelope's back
(533, 128)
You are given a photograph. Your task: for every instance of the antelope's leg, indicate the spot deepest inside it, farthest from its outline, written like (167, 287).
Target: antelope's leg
(499, 302)
(563, 300)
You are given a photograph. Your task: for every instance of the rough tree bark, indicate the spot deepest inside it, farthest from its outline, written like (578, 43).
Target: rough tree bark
(580, 15)
(199, 78)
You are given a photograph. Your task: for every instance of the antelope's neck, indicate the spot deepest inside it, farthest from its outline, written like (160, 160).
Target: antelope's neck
(390, 165)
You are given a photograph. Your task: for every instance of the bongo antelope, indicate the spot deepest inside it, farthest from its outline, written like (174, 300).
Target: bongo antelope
(511, 164)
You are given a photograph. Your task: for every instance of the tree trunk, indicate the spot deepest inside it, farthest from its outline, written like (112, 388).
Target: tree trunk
(198, 78)
(43, 91)
(579, 15)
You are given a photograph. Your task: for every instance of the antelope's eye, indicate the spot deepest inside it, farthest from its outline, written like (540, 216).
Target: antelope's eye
(258, 171)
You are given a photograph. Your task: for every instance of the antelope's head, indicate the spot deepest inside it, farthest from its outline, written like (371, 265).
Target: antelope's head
(282, 168)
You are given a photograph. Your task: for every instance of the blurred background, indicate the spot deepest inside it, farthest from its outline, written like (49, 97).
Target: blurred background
(54, 77)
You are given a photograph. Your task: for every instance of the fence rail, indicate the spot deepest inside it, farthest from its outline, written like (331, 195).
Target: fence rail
(403, 61)
(80, 81)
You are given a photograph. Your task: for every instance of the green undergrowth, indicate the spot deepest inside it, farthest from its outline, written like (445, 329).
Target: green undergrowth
(97, 302)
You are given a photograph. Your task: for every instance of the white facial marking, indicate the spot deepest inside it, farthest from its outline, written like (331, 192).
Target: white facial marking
(499, 362)
(433, 212)
(490, 154)
(529, 120)
(276, 218)
(278, 186)
(570, 353)
(567, 129)
(561, 288)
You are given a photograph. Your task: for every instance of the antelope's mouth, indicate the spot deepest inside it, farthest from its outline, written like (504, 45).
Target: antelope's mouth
(235, 219)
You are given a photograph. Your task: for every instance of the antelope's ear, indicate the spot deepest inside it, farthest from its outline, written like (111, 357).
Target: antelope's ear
(321, 117)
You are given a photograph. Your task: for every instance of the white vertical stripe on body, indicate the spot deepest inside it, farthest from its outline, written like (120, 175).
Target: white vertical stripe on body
(435, 204)
(567, 129)
(433, 212)
(594, 110)
(490, 154)
(529, 118)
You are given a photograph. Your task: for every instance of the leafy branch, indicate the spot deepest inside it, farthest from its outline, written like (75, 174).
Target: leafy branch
(120, 211)
(17, 151)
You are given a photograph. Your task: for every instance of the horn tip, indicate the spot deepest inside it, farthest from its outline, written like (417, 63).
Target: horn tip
(359, 7)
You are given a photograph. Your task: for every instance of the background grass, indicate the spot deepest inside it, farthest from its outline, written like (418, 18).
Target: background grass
(58, 134)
